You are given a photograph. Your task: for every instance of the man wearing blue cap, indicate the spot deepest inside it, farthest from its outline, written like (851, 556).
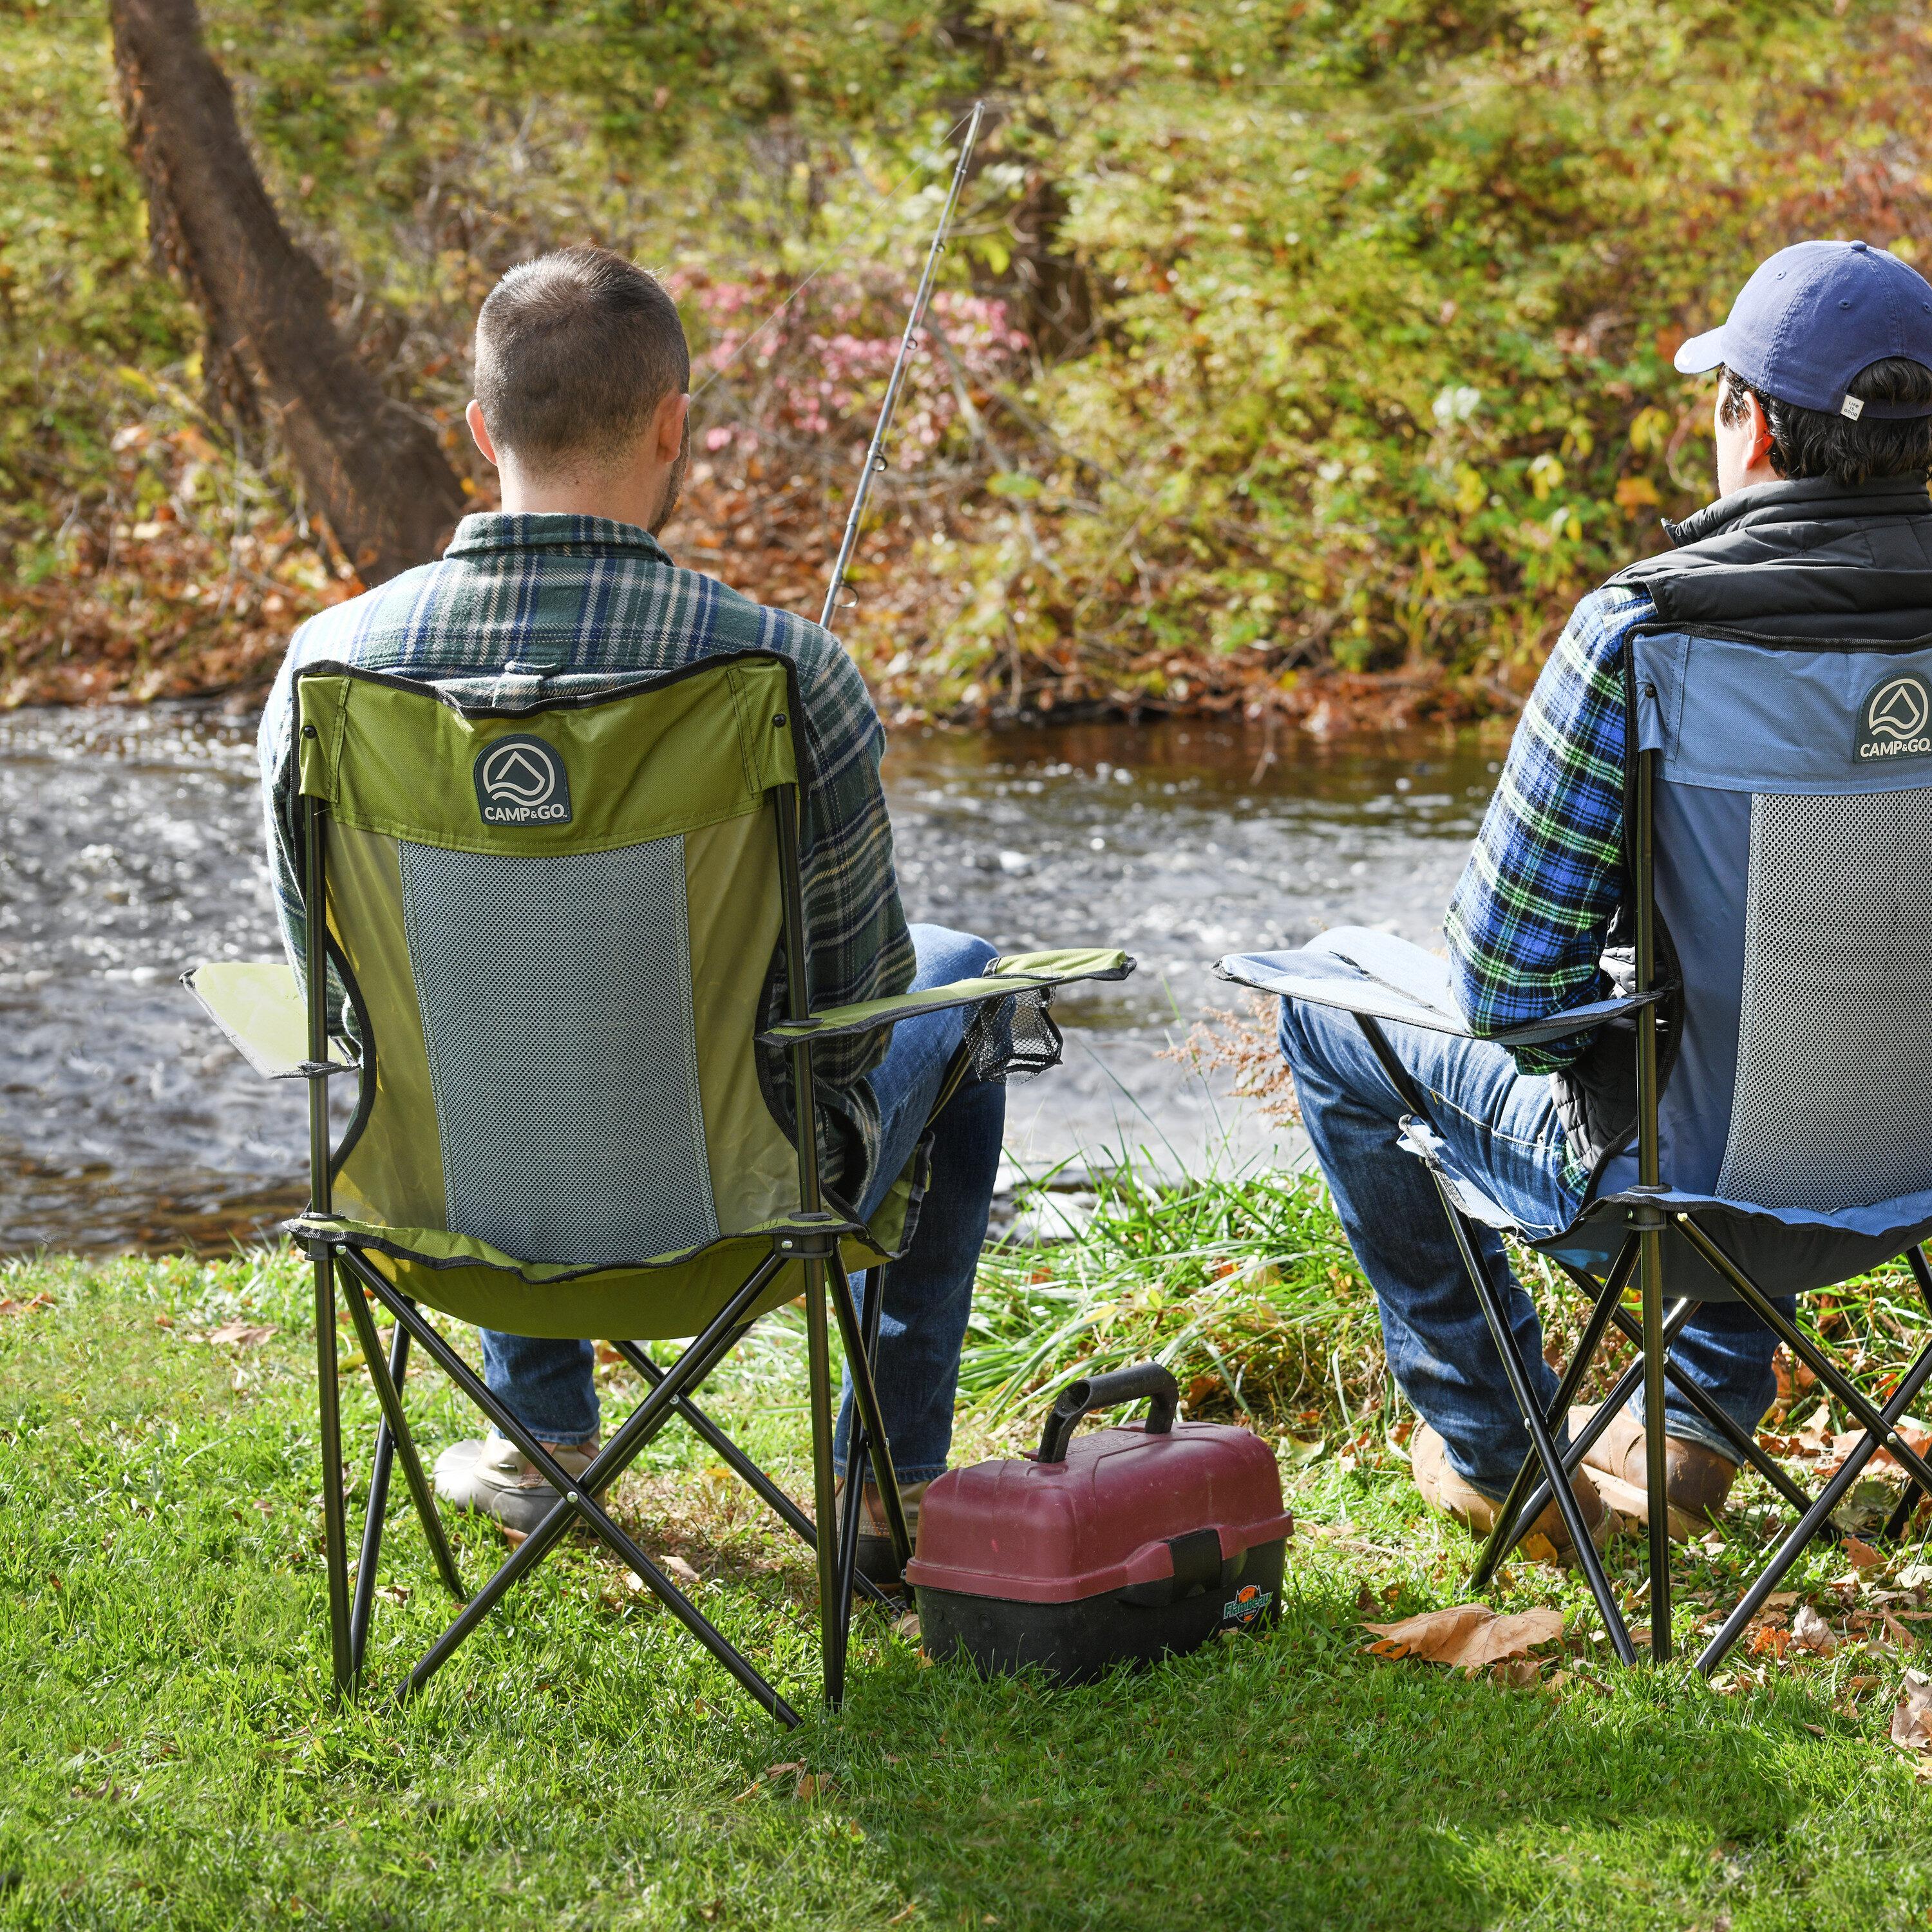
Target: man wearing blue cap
(1822, 530)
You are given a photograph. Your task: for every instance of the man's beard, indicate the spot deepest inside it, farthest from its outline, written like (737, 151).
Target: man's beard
(673, 483)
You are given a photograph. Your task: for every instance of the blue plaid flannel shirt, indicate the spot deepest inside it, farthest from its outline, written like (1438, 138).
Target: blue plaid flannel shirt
(524, 603)
(1528, 922)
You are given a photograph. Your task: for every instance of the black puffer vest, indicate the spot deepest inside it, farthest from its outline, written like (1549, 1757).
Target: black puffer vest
(1780, 563)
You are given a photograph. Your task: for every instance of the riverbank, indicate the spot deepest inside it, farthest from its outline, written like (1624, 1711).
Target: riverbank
(173, 1762)
(184, 624)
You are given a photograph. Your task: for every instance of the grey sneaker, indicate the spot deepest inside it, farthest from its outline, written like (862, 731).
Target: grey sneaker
(495, 1478)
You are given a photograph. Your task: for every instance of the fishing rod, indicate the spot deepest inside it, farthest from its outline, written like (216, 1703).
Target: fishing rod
(875, 459)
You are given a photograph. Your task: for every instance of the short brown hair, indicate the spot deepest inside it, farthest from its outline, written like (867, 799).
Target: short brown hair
(574, 351)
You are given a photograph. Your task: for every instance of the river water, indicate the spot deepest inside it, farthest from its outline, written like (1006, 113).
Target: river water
(130, 849)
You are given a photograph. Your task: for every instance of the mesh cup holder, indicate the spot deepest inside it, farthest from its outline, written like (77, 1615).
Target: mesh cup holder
(1012, 1040)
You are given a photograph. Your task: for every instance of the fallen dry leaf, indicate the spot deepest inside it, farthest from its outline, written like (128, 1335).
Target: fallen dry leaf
(1912, 1715)
(812, 1784)
(1861, 1555)
(1896, 1630)
(1917, 1438)
(785, 1769)
(1537, 1548)
(1518, 1673)
(8, 1306)
(907, 1626)
(1780, 1599)
(1809, 1631)
(680, 1572)
(1468, 1637)
(242, 1334)
(1767, 1642)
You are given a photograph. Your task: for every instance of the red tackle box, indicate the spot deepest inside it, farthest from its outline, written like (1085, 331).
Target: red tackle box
(1119, 1546)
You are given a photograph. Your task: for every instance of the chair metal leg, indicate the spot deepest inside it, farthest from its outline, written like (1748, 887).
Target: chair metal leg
(1524, 1391)
(388, 1395)
(577, 1494)
(857, 1462)
(825, 1508)
(1650, 1281)
(1793, 1546)
(735, 1459)
(1587, 1438)
(866, 1399)
(334, 1514)
(364, 1606)
(1740, 1439)
(1820, 1364)
(1894, 1528)
(1503, 1537)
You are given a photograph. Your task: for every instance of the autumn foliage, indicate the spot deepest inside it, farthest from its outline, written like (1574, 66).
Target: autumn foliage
(1291, 349)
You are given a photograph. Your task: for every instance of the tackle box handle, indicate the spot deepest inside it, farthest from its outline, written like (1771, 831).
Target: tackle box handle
(1104, 1391)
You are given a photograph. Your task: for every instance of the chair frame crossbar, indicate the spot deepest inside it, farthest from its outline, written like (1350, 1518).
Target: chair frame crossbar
(1545, 1471)
(670, 1391)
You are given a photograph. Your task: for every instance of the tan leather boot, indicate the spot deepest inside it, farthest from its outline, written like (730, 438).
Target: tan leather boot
(1696, 1479)
(1442, 1489)
(875, 1542)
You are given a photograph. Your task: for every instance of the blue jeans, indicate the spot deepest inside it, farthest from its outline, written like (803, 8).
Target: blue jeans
(922, 1326)
(1502, 1130)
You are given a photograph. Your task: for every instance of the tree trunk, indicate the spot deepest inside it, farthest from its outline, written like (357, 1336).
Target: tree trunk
(374, 470)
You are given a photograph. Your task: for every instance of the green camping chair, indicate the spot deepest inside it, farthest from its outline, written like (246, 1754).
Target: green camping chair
(556, 939)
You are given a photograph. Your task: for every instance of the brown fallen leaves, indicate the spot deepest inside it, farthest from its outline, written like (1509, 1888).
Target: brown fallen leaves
(1470, 1637)
(1809, 1631)
(9, 1305)
(807, 1785)
(241, 1334)
(1912, 1715)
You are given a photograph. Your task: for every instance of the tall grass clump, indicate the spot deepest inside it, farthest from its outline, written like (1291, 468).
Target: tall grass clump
(1243, 1285)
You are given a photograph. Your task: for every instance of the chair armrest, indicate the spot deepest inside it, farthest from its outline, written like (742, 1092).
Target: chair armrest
(258, 1005)
(1018, 973)
(1379, 978)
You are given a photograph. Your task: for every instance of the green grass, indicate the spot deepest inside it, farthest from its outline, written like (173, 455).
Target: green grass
(169, 1756)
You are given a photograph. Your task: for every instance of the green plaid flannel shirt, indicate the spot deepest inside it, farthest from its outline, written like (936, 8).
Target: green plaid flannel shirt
(1530, 915)
(559, 604)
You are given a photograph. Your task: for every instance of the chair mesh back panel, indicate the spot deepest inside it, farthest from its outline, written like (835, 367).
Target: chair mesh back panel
(1830, 1106)
(556, 999)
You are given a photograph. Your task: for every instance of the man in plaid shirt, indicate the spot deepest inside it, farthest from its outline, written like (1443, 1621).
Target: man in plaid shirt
(1527, 925)
(582, 379)
(1821, 529)
(1536, 908)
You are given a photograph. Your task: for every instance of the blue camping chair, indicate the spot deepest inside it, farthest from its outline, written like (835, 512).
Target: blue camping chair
(1779, 843)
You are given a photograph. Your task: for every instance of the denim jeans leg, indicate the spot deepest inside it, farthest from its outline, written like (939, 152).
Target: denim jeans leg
(1727, 1351)
(1502, 1131)
(929, 1289)
(545, 1383)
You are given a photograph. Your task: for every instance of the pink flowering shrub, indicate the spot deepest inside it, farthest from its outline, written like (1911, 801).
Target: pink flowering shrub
(806, 378)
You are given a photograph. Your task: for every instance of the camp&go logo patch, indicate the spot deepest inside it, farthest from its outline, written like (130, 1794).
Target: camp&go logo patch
(521, 781)
(1893, 720)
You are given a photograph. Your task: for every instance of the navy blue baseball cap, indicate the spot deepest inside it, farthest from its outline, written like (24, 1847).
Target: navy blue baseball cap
(1815, 315)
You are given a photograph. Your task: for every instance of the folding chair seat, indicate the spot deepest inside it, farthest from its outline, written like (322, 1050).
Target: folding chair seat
(1778, 844)
(564, 952)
